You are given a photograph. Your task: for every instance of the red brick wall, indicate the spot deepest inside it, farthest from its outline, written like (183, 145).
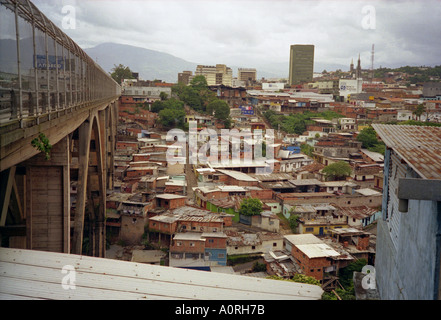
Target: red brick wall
(126, 145)
(170, 204)
(141, 157)
(213, 242)
(311, 267)
(228, 221)
(363, 243)
(262, 194)
(232, 181)
(176, 203)
(162, 227)
(139, 173)
(197, 225)
(198, 246)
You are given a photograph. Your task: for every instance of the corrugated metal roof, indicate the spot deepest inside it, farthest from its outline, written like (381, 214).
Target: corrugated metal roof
(238, 175)
(317, 250)
(298, 239)
(28, 274)
(169, 196)
(419, 146)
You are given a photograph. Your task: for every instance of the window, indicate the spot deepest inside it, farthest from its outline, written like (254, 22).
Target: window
(179, 243)
(177, 255)
(210, 241)
(221, 255)
(274, 244)
(191, 244)
(253, 247)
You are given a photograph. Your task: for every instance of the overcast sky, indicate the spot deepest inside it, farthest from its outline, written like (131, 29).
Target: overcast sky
(256, 32)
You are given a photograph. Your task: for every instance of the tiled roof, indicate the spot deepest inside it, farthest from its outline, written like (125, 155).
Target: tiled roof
(419, 146)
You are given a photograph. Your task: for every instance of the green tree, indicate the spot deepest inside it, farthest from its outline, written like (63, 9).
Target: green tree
(250, 207)
(368, 137)
(191, 97)
(219, 109)
(121, 72)
(172, 118)
(337, 171)
(306, 149)
(294, 124)
(199, 82)
(300, 278)
(293, 222)
(163, 96)
(42, 144)
(171, 103)
(346, 274)
(157, 106)
(259, 267)
(420, 109)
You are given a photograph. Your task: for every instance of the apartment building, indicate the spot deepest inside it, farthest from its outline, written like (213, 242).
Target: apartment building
(247, 75)
(219, 74)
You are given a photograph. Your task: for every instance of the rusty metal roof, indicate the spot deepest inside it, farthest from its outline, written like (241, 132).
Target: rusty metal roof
(419, 146)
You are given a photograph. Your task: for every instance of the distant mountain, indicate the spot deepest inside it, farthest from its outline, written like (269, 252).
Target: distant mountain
(153, 64)
(150, 64)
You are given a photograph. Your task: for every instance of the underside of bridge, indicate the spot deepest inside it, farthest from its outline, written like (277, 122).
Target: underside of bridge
(57, 203)
(58, 118)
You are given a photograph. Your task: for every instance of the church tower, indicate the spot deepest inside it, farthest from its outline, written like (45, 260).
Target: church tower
(358, 71)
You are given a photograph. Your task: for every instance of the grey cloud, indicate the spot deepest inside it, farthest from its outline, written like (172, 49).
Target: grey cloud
(406, 32)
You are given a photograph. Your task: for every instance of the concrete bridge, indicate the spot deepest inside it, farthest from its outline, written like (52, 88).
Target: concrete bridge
(58, 118)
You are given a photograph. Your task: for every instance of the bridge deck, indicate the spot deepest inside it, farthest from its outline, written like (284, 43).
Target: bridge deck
(27, 274)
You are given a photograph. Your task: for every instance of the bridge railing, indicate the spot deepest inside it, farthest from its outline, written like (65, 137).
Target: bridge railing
(42, 70)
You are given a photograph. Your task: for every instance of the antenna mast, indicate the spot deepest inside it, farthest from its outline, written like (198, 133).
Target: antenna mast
(372, 64)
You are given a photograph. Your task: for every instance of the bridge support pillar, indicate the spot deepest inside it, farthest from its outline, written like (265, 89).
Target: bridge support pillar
(47, 199)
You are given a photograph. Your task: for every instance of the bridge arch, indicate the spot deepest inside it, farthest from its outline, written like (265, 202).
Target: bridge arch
(91, 188)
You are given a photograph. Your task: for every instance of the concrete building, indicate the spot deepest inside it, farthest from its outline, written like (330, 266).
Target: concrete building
(144, 90)
(350, 87)
(301, 64)
(247, 75)
(432, 91)
(185, 77)
(196, 250)
(216, 75)
(408, 233)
